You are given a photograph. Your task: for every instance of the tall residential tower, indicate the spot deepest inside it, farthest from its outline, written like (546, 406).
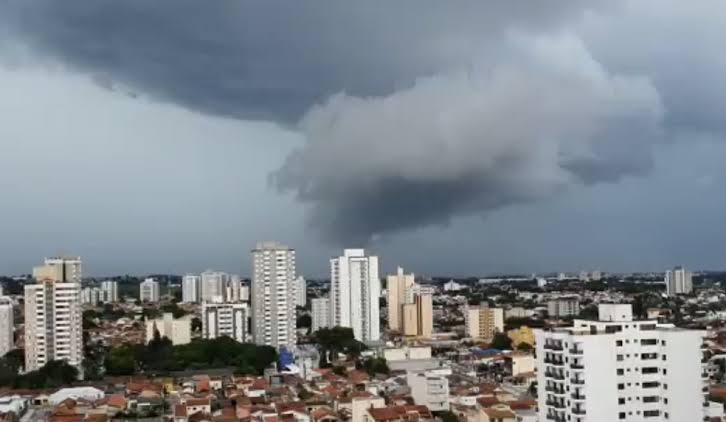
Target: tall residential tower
(354, 292)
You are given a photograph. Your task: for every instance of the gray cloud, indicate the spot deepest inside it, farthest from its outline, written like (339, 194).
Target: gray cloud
(544, 117)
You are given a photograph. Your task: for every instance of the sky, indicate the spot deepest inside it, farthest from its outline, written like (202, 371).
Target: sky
(474, 138)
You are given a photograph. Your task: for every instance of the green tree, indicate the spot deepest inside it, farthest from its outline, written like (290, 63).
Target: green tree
(524, 347)
(501, 341)
(376, 366)
(121, 361)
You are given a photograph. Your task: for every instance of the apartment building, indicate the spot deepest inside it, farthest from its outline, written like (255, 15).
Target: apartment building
(679, 281)
(109, 291)
(354, 292)
(226, 319)
(191, 288)
(149, 290)
(178, 330)
(7, 319)
(620, 369)
(563, 307)
(320, 313)
(482, 322)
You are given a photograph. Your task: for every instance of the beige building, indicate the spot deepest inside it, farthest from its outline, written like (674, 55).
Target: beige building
(64, 269)
(482, 322)
(179, 331)
(418, 317)
(396, 287)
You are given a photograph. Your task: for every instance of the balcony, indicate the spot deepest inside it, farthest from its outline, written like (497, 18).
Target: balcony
(555, 375)
(576, 396)
(578, 411)
(556, 418)
(553, 346)
(555, 404)
(555, 390)
(577, 381)
(577, 366)
(575, 351)
(555, 362)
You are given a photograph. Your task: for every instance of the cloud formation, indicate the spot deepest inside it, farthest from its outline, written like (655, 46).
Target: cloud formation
(472, 140)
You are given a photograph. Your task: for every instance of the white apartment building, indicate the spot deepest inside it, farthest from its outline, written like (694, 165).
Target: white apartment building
(563, 307)
(233, 291)
(53, 324)
(91, 296)
(213, 285)
(354, 292)
(179, 330)
(7, 319)
(191, 288)
(301, 292)
(226, 319)
(430, 387)
(109, 291)
(320, 313)
(619, 369)
(149, 290)
(244, 292)
(273, 295)
(678, 281)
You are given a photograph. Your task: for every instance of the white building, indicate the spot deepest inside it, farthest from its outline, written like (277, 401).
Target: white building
(619, 369)
(541, 282)
(273, 295)
(7, 319)
(678, 281)
(301, 292)
(109, 291)
(191, 288)
(430, 388)
(179, 330)
(563, 307)
(149, 290)
(53, 323)
(244, 292)
(452, 286)
(91, 296)
(226, 319)
(213, 285)
(320, 313)
(233, 289)
(354, 291)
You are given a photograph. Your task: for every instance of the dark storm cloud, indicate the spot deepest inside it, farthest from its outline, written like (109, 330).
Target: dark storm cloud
(414, 112)
(266, 59)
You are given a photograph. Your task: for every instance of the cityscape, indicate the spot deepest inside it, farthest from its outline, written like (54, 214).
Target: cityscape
(360, 346)
(362, 211)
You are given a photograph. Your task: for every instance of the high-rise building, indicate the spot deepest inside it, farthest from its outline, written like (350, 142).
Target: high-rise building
(149, 290)
(226, 319)
(321, 313)
(91, 296)
(109, 291)
(233, 289)
(418, 317)
(7, 320)
(396, 287)
(178, 330)
(620, 369)
(354, 292)
(244, 292)
(678, 281)
(301, 292)
(64, 269)
(563, 307)
(483, 322)
(191, 288)
(273, 295)
(53, 323)
(213, 286)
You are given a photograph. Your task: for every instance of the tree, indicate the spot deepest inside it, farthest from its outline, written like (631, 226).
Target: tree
(304, 321)
(447, 416)
(340, 370)
(332, 341)
(501, 341)
(121, 361)
(376, 366)
(524, 347)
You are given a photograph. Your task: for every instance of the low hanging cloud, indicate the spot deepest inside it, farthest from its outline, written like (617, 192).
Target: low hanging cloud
(519, 128)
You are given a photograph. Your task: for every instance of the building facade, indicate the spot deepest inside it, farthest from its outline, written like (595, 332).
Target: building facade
(418, 317)
(191, 288)
(178, 330)
(109, 291)
(149, 290)
(678, 281)
(396, 287)
(273, 295)
(320, 313)
(66, 269)
(619, 369)
(301, 292)
(226, 319)
(7, 319)
(213, 284)
(483, 322)
(53, 323)
(563, 307)
(354, 292)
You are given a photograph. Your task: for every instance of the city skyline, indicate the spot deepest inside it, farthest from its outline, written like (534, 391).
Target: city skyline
(188, 163)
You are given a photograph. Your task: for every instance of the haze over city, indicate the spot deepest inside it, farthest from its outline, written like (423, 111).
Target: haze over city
(490, 137)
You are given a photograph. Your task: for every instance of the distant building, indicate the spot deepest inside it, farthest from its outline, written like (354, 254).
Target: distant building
(561, 277)
(452, 286)
(213, 284)
(226, 319)
(109, 291)
(563, 307)
(149, 290)
(320, 313)
(430, 388)
(418, 317)
(301, 292)
(541, 282)
(678, 281)
(273, 295)
(584, 276)
(179, 330)
(7, 319)
(53, 323)
(191, 288)
(91, 296)
(617, 368)
(396, 287)
(233, 289)
(596, 275)
(483, 322)
(354, 292)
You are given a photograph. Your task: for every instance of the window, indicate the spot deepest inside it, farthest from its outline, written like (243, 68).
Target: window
(649, 342)
(621, 415)
(618, 343)
(619, 358)
(620, 371)
(621, 386)
(621, 400)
